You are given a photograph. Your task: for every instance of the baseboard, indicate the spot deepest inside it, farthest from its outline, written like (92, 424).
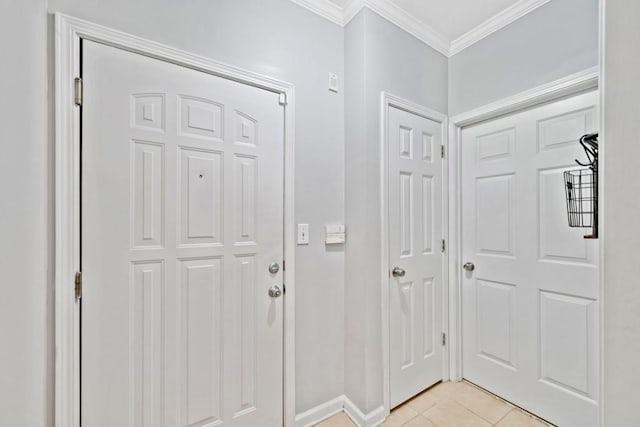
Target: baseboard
(341, 403)
(319, 413)
(372, 419)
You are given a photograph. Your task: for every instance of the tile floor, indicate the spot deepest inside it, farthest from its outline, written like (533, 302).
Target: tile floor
(451, 405)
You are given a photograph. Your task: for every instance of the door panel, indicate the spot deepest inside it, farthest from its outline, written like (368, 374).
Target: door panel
(530, 307)
(182, 212)
(415, 231)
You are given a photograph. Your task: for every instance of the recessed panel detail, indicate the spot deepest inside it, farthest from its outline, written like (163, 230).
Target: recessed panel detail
(148, 111)
(147, 194)
(200, 118)
(427, 214)
(246, 129)
(494, 227)
(406, 214)
(406, 142)
(407, 310)
(564, 131)
(201, 314)
(245, 200)
(427, 147)
(496, 146)
(567, 335)
(246, 377)
(200, 189)
(428, 317)
(495, 320)
(147, 355)
(558, 241)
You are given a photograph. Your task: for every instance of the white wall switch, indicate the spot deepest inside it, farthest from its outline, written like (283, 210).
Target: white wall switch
(333, 82)
(334, 234)
(303, 234)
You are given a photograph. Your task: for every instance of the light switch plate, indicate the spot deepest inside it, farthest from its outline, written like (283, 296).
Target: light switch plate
(303, 234)
(333, 82)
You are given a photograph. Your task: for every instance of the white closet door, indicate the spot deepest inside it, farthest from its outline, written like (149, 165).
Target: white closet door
(530, 307)
(415, 234)
(182, 213)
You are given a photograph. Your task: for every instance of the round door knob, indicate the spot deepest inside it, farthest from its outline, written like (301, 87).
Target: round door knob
(469, 266)
(274, 268)
(275, 291)
(398, 272)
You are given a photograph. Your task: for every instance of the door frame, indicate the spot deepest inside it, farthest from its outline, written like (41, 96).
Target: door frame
(581, 82)
(389, 100)
(69, 32)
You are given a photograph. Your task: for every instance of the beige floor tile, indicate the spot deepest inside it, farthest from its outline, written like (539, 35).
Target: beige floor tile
(450, 413)
(424, 401)
(419, 421)
(338, 420)
(481, 403)
(446, 389)
(517, 418)
(399, 416)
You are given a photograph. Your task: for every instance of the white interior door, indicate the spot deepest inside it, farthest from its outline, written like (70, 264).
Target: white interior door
(415, 234)
(530, 307)
(182, 213)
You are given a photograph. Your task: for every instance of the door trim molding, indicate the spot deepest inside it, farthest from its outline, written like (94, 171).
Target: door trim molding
(583, 81)
(389, 100)
(69, 32)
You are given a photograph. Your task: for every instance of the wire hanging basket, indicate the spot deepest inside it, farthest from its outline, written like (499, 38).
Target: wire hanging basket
(581, 189)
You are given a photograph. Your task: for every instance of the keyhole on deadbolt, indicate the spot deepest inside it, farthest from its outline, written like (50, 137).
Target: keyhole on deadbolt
(200, 176)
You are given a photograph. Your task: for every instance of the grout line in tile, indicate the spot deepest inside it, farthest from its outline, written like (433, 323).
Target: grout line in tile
(411, 419)
(510, 404)
(505, 415)
(488, 394)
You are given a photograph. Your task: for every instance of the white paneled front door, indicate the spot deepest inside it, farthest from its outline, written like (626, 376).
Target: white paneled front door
(415, 234)
(530, 307)
(182, 214)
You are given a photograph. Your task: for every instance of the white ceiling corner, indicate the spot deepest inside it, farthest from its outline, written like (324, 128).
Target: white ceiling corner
(495, 23)
(325, 8)
(406, 15)
(351, 9)
(410, 24)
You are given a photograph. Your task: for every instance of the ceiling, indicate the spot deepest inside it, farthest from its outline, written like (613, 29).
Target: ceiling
(448, 26)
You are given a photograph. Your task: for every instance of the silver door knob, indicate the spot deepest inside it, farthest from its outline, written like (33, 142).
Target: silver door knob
(274, 268)
(275, 291)
(469, 266)
(398, 272)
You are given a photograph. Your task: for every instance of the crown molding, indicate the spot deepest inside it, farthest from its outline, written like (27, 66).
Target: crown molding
(351, 9)
(423, 32)
(495, 23)
(400, 17)
(324, 8)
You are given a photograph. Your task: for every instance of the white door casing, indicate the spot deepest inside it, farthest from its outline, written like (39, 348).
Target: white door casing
(530, 308)
(415, 173)
(182, 212)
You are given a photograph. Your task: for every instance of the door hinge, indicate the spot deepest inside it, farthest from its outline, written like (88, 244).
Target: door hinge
(77, 91)
(78, 285)
(442, 151)
(444, 245)
(444, 339)
(283, 99)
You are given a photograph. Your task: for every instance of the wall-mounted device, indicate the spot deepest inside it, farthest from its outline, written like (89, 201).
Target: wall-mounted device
(334, 234)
